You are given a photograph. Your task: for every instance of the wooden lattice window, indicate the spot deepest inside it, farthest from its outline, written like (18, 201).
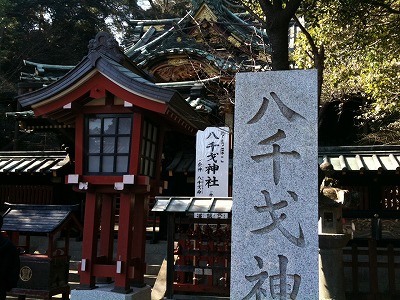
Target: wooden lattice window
(148, 152)
(108, 139)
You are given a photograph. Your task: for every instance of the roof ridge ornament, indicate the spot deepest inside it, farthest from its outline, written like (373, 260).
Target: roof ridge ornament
(106, 44)
(216, 4)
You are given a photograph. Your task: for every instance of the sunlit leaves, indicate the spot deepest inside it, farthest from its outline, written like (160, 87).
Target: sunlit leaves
(362, 46)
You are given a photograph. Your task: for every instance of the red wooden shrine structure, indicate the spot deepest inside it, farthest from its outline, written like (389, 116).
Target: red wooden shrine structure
(199, 245)
(120, 118)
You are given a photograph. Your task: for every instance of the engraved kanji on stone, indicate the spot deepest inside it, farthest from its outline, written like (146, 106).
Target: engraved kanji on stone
(277, 220)
(284, 285)
(259, 278)
(275, 154)
(287, 112)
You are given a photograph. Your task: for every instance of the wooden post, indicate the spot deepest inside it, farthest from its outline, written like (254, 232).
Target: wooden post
(127, 202)
(170, 256)
(107, 229)
(140, 213)
(89, 245)
(391, 270)
(373, 267)
(354, 268)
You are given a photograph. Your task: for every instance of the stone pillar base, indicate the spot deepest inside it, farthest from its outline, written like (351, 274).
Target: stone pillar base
(331, 275)
(104, 292)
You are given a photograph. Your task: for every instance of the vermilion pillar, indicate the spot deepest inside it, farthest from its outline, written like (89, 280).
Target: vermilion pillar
(125, 228)
(89, 244)
(107, 229)
(139, 238)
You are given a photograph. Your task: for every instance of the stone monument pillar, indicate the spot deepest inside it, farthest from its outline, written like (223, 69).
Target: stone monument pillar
(331, 237)
(275, 186)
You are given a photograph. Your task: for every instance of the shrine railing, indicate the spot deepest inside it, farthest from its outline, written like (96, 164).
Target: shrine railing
(26, 194)
(372, 271)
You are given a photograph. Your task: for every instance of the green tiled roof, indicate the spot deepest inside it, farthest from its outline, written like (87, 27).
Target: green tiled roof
(155, 44)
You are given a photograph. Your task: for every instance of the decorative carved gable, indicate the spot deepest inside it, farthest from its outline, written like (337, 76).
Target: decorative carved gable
(182, 69)
(205, 13)
(106, 44)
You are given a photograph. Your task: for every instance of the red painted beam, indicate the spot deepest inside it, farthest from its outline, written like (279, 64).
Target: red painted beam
(76, 92)
(109, 270)
(110, 180)
(104, 270)
(97, 86)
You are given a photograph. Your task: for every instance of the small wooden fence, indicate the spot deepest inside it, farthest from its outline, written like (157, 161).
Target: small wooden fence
(26, 194)
(371, 271)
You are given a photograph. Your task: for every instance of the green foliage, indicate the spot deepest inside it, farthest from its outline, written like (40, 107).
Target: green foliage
(168, 8)
(53, 31)
(362, 48)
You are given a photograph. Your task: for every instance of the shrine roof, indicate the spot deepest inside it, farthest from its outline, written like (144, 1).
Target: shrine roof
(155, 41)
(33, 162)
(193, 204)
(107, 59)
(361, 158)
(174, 38)
(342, 158)
(229, 65)
(37, 219)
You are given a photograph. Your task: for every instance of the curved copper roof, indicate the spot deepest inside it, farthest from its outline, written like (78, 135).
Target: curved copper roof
(361, 158)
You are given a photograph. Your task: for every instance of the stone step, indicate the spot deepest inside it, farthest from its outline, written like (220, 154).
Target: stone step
(151, 274)
(73, 276)
(150, 279)
(153, 269)
(74, 265)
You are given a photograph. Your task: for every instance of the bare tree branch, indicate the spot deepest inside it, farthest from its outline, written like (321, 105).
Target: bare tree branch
(318, 54)
(253, 14)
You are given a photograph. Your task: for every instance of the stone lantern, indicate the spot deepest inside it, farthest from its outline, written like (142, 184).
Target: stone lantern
(331, 237)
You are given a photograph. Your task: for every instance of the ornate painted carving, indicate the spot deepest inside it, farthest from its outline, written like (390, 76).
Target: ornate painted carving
(105, 43)
(234, 41)
(205, 13)
(181, 69)
(176, 73)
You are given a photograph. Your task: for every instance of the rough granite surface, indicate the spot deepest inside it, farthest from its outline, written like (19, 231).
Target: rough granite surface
(104, 292)
(275, 186)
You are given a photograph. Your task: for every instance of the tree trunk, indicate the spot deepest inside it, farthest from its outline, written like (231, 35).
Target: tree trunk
(278, 37)
(278, 14)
